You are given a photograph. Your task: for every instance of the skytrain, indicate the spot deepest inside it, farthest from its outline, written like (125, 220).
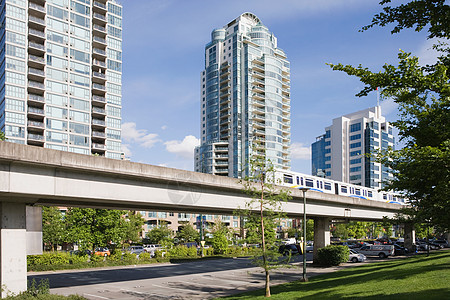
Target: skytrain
(329, 186)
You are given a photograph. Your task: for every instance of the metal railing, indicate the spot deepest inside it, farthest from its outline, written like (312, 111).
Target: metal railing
(98, 98)
(33, 136)
(36, 71)
(98, 134)
(98, 74)
(98, 4)
(36, 58)
(36, 7)
(36, 84)
(99, 51)
(98, 110)
(98, 86)
(35, 110)
(36, 32)
(36, 98)
(98, 122)
(99, 63)
(99, 39)
(99, 16)
(35, 124)
(37, 20)
(36, 45)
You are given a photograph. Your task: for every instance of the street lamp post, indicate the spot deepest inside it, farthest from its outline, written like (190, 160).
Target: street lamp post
(304, 190)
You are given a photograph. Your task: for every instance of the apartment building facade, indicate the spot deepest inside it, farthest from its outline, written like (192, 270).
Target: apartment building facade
(245, 99)
(342, 153)
(61, 74)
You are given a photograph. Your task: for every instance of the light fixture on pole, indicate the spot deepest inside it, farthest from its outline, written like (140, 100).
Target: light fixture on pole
(304, 190)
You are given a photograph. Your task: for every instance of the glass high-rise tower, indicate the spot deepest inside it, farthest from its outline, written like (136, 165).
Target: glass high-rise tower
(245, 99)
(61, 74)
(343, 153)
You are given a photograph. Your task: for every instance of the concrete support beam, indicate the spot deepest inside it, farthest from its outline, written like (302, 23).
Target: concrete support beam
(321, 234)
(13, 256)
(410, 236)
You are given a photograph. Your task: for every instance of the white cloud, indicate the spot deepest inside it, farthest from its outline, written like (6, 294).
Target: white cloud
(300, 151)
(140, 136)
(184, 148)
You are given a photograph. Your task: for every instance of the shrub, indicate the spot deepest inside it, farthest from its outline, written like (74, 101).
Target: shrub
(96, 258)
(117, 256)
(49, 259)
(332, 255)
(208, 251)
(145, 257)
(129, 258)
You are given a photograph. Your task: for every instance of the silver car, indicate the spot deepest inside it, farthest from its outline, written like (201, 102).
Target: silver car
(356, 257)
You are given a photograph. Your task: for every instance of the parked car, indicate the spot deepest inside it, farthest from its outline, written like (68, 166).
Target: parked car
(289, 249)
(400, 250)
(382, 251)
(356, 257)
(102, 251)
(444, 243)
(136, 249)
(309, 246)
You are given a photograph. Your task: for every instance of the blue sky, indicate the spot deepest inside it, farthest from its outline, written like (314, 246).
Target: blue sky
(163, 55)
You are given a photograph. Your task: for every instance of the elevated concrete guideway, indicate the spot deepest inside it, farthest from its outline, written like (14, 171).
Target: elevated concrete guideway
(32, 176)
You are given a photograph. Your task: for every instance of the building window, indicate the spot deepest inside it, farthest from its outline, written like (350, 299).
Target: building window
(355, 127)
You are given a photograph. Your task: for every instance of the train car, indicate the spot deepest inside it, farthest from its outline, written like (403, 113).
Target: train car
(329, 186)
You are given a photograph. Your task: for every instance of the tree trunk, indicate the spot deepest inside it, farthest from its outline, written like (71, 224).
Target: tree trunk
(267, 284)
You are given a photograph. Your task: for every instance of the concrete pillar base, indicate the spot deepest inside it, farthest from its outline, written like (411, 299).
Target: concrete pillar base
(321, 234)
(13, 256)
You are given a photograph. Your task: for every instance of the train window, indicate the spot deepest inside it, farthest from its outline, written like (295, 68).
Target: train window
(287, 178)
(328, 186)
(370, 193)
(344, 189)
(395, 198)
(384, 197)
(301, 180)
(357, 191)
(298, 180)
(309, 182)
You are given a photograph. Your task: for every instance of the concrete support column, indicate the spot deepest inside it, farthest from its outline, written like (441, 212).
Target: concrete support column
(321, 234)
(13, 256)
(410, 236)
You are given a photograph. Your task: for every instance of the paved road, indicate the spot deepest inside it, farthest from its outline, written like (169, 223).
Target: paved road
(193, 280)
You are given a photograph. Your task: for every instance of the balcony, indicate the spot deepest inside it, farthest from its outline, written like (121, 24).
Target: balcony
(225, 94)
(225, 86)
(221, 171)
(99, 87)
(36, 87)
(98, 41)
(221, 149)
(99, 75)
(99, 17)
(221, 163)
(36, 7)
(36, 73)
(258, 88)
(100, 5)
(257, 74)
(99, 63)
(98, 134)
(36, 21)
(35, 139)
(98, 146)
(98, 123)
(98, 111)
(36, 46)
(98, 99)
(36, 112)
(36, 99)
(36, 61)
(259, 81)
(221, 156)
(258, 96)
(225, 107)
(36, 33)
(99, 52)
(35, 124)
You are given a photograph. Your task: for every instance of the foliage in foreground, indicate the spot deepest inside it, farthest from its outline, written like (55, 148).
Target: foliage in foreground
(332, 255)
(418, 277)
(422, 167)
(41, 291)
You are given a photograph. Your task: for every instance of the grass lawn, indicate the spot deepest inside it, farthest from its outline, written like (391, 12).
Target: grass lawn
(417, 277)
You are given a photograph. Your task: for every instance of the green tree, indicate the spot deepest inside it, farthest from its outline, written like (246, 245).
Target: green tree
(220, 237)
(266, 199)
(53, 227)
(133, 226)
(95, 227)
(2, 136)
(422, 167)
(159, 235)
(188, 234)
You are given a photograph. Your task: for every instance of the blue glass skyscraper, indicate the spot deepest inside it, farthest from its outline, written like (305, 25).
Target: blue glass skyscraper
(245, 98)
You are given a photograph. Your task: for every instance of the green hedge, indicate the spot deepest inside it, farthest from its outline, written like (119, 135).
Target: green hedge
(332, 255)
